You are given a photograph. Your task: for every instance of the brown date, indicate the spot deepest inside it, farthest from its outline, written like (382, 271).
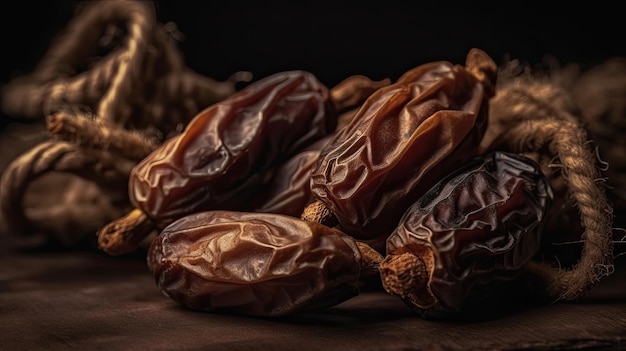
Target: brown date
(229, 151)
(258, 264)
(288, 191)
(465, 241)
(224, 151)
(401, 141)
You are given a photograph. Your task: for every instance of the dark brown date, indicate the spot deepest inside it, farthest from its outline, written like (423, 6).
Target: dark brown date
(257, 264)
(225, 150)
(466, 240)
(289, 190)
(401, 141)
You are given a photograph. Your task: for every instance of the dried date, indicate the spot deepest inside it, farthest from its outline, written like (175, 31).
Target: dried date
(289, 191)
(258, 264)
(223, 156)
(401, 141)
(469, 237)
(226, 148)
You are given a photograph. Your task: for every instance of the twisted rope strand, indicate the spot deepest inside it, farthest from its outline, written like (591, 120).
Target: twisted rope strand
(140, 25)
(53, 156)
(567, 140)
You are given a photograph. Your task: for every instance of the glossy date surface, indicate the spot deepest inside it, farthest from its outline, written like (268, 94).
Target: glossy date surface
(482, 225)
(401, 141)
(259, 264)
(223, 153)
(289, 191)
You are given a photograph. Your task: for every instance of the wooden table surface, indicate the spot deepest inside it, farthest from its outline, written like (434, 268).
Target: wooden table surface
(87, 300)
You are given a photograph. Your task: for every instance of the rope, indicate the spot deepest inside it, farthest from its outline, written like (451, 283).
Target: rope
(52, 156)
(536, 116)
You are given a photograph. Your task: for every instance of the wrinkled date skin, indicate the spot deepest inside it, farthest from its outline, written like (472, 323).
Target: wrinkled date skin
(401, 141)
(473, 233)
(224, 151)
(257, 264)
(289, 191)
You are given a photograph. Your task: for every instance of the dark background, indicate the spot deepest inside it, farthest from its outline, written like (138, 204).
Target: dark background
(335, 39)
(61, 300)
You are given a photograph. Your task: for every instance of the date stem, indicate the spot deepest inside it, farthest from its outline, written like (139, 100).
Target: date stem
(124, 235)
(353, 91)
(408, 275)
(370, 259)
(318, 212)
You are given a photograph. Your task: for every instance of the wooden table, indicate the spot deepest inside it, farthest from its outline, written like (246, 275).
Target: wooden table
(87, 300)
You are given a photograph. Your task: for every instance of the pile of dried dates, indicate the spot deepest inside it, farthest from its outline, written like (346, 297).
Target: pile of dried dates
(264, 207)
(289, 196)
